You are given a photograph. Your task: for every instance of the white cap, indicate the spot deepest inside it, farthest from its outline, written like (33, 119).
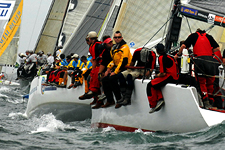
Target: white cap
(92, 34)
(75, 56)
(57, 58)
(22, 54)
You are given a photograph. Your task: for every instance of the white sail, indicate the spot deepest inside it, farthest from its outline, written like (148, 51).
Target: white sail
(33, 19)
(10, 53)
(8, 49)
(107, 28)
(92, 21)
(140, 21)
(76, 12)
(51, 30)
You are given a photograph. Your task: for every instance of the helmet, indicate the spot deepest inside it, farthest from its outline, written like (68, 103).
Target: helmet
(92, 34)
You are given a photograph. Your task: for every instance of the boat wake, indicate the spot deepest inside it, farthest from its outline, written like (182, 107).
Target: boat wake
(48, 123)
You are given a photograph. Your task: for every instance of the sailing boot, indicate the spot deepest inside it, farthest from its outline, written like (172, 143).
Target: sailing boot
(99, 104)
(127, 99)
(94, 101)
(158, 106)
(123, 92)
(118, 105)
(206, 103)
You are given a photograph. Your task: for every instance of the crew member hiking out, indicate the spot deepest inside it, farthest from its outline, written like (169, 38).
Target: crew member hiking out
(204, 46)
(126, 78)
(121, 57)
(106, 59)
(168, 73)
(96, 49)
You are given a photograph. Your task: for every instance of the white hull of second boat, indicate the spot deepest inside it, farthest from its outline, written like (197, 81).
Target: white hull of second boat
(61, 102)
(181, 112)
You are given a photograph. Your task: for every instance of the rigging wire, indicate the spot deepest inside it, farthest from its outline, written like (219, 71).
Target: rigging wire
(158, 31)
(188, 25)
(171, 4)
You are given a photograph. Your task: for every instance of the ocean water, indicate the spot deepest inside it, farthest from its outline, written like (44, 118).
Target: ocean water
(45, 132)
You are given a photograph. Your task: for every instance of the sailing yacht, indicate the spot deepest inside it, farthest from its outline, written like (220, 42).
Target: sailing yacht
(183, 111)
(9, 41)
(138, 22)
(90, 14)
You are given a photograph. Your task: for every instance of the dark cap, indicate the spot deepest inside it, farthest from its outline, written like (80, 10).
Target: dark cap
(160, 48)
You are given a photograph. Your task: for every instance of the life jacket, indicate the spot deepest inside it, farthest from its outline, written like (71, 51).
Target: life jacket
(63, 63)
(202, 46)
(54, 76)
(171, 71)
(93, 52)
(118, 56)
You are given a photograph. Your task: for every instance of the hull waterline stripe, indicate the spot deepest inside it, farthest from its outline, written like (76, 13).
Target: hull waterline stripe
(118, 127)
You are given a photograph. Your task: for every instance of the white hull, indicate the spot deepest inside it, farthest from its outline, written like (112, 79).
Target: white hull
(181, 112)
(61, 102)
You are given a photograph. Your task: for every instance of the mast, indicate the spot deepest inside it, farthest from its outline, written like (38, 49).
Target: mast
(174, 27)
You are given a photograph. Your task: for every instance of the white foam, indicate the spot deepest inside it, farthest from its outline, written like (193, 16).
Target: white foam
(13, 115)
(2, 95)
(48, 123)
(108, 129)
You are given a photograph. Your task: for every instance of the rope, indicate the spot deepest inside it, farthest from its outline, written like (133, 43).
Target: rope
(171, 4)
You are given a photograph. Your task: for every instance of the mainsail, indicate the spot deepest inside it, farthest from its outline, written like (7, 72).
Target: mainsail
(52, 28)
(76, 12)
(145, 21)
(33, 19)
(92, 21)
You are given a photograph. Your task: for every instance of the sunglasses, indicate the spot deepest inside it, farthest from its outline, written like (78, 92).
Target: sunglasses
(117, 37)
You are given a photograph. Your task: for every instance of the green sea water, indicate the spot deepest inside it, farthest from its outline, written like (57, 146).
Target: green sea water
(46, 132)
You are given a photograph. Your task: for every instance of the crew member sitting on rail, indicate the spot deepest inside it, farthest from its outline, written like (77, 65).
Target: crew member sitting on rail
(22, 58)
(121, 57)
(30, 66)
(52, 71)
(106, 59)
(56, 77)
(168, 73)
(41, 59)
(50, 60)
(82, 73)
(96, 49)
(73, 68)
(126, 78)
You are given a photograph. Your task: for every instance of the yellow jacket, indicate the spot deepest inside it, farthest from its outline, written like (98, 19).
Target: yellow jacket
(121, 58)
